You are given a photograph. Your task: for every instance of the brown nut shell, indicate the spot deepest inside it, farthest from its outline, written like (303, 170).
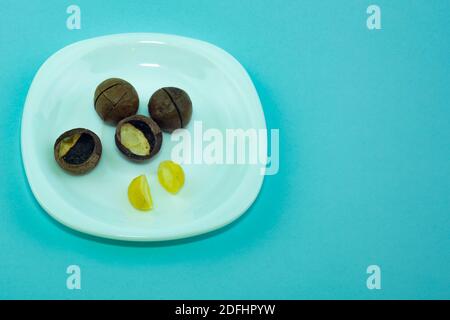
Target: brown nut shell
(171, 108)
(115, 99)
(145, 127)
(78, 151)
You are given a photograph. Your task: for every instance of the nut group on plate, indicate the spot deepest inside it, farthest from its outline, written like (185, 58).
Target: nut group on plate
(171, 108)
(138, 137)
(115, 99)
(78, 150)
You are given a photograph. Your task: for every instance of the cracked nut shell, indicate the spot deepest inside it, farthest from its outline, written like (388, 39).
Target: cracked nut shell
(115, 99)
(78, 151)
(171, 108)
(138, 137)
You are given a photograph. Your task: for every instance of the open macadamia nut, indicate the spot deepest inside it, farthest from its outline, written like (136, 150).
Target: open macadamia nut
(171, 108)
(78, 150)
(115, 99)
(138, 137)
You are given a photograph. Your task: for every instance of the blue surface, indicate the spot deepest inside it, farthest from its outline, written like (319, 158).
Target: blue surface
(364, 174)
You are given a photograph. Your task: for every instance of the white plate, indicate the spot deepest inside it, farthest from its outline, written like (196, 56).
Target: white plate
(61, 98)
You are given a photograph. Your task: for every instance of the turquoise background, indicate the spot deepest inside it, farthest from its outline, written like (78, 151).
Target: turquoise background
(364, 173)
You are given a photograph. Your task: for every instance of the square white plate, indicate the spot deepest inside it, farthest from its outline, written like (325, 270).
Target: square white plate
(61, 98)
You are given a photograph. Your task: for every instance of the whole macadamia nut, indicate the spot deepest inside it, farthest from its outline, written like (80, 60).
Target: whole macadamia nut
(78, 150)
(171, 108)
(115, 99)
(138, 137)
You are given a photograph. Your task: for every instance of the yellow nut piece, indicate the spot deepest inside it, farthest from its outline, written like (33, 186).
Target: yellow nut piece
(139, 194)
(171, 176)
(134, 140)
(67, 144)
